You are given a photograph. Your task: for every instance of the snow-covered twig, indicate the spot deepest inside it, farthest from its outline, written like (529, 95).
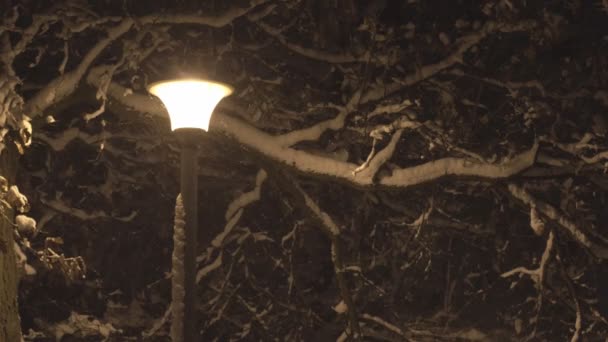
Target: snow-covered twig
(538, 275)
(401, 123)
(390, 108)
(213, 20)
(578, 148)
(306, 162)
(374, 161)
(248, 197)
(233, 214)
(369, 158)
(80, 327)
(511, 86)
(426, 71)
(158, 324)
(60, 142)
(578, 322)
(332, 231)
(313, 132)
(61, 207)
(319, 55)
(368, 173)
(65, 84)
(391, 327)
(596, 245)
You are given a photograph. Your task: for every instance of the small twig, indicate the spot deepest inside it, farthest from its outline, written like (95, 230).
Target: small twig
(538, 274)
(578, 323)
(371, 155)
(597, 245)
(391, 327)
(332, 231)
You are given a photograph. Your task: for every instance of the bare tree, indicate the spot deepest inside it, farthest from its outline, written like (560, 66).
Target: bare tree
(386, 170)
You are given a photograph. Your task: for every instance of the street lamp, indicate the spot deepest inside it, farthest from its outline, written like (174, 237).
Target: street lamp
(190, 103)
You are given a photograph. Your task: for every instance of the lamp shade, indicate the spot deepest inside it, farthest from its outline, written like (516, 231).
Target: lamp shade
(190, 102)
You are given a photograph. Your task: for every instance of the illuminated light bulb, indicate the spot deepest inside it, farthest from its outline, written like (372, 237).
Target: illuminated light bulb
(190, 102)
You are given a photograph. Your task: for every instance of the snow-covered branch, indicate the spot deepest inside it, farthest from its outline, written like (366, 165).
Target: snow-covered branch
(28, 34)
(213, 20)
(61, 207)
(312, 53)
(388, 326)
(60, 142)
(248, 197)
(538, 275)
(313, 132)
(597, 246)
(371, 168)
(332, 231)
(511, 86)
(268, 145)
(426, 71)
(579, 148)
(460, 167)
(235, 208)
(65, 84)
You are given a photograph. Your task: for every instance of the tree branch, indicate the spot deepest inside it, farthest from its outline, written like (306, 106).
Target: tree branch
(332, 231)
(388, 326)
(460, 167)
(313, 132)
(61, 207)
(463, 45)
(599, 249)
(213, 21)
(317, 165)
(379, 159)
(319, 55)
(65, 84)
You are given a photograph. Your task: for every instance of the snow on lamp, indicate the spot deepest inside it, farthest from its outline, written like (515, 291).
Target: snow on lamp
(190, 102)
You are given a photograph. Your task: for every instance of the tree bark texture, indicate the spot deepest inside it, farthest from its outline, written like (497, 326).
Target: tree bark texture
(10, 327)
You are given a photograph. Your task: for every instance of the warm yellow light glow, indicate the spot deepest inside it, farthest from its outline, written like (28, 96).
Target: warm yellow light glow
(190, 102)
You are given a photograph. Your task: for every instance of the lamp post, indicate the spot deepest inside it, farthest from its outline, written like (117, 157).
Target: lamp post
(190, 103)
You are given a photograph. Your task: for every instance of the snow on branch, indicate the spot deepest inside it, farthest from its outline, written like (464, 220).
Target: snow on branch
(233, 216)
(248, 197)
(313, 132)
(460, 167)
(27, 35)
(270, 146)
(426, 71)
(596, 245)
(80, 326)
(512, 87)
(319, 55)
(388, 326)
(332, 231)
(60, 142)
(61, 207)
(538, 274)
(371, 166)
(212, 20)
(65, 84)
(578, 148)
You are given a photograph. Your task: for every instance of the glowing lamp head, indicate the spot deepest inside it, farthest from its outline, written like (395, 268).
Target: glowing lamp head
(190, 102)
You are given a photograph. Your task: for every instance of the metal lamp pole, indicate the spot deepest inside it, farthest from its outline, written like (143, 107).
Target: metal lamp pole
(189, 103)
(189, 184)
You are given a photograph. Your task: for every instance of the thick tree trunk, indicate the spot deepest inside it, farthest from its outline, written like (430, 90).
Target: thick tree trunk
(10, 327)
